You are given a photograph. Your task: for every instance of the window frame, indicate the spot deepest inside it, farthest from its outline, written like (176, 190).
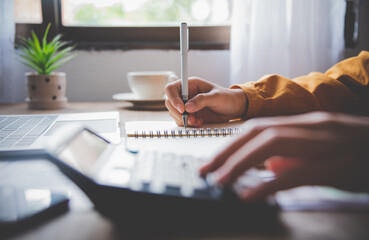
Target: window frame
(200, 37)
(100, 38)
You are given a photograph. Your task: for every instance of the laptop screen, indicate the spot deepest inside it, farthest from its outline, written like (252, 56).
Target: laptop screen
(83, 151)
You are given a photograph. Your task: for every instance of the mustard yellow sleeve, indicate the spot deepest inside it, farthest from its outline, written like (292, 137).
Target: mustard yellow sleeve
(343, 88)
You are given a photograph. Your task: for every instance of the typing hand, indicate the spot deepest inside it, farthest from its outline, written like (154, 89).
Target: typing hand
(309, 149)
(209, 103)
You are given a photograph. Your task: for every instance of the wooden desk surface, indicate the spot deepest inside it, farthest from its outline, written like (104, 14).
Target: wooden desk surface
(89, 224)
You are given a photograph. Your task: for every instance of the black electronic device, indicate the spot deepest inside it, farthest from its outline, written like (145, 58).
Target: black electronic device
(119, 188)
(22, 208)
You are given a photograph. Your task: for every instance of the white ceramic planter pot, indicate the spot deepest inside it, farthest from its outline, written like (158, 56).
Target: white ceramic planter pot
(46, 91)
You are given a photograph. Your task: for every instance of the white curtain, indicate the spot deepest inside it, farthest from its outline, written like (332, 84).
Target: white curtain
(7, 29)
(287, 37)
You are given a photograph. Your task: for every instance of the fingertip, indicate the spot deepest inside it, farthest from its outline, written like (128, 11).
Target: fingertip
(198, 122)
(191, 120)
(224, 177)
(209, 167)
(179, 123)
(222, 180)
(203, 171)
(194, 122)
(278, 165)
(180, 108)
(250, 196)
(178, 104)
(190, 107)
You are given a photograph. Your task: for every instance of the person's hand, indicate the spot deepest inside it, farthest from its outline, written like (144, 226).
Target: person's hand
(208, 102)
(309, 149)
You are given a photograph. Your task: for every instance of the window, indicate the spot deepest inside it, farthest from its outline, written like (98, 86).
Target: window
(27, 11)
(128, 24)
(145, 12)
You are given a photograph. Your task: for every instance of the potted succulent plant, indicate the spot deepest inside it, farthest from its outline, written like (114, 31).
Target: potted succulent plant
(46, 88)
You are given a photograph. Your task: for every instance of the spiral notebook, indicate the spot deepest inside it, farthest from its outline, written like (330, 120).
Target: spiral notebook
(169, 129)
(167, 136)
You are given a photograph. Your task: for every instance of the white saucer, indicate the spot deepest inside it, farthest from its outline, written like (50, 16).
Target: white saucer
(147, 104)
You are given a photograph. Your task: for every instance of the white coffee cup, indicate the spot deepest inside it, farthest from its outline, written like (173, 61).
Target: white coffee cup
(150, 85)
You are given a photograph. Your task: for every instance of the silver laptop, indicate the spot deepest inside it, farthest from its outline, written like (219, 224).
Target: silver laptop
(33, 131)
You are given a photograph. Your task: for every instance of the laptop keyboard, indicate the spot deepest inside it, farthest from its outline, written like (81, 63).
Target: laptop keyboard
(22, 131)
(173, 174)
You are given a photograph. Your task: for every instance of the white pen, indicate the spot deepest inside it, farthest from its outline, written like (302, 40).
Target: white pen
(184, 75)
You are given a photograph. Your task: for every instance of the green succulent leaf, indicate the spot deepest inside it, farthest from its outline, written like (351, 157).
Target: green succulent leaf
(36, 43)
(44, 56)
(44, 40)
(28, 59)
(60, 62)
(59, 55)
(31, 65)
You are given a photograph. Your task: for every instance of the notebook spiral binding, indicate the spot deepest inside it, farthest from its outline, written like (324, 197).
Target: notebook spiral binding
(200, 132)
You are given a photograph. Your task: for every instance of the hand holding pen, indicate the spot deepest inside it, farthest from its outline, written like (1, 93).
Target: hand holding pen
(209, 102)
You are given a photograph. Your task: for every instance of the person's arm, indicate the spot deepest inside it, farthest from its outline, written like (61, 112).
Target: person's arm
(343, 88)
